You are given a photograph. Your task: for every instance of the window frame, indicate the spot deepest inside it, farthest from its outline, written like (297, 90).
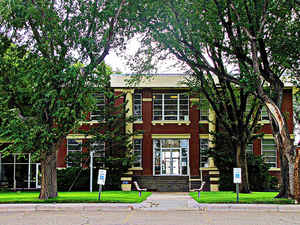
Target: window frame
(203, 113)
(99, 108)
(202, 162)
(262, 152)
(138, 162)
(69, 164)
(138, 116)
(264, 116)
(180, 107)
(248, 150)
(101, 152)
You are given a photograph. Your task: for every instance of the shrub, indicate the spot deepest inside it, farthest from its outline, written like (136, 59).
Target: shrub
(81, 179)
(258, 174)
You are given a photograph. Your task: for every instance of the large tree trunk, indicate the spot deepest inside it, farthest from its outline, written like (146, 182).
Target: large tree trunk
(241, 162)
(286, 146)
(282, 132)
(284, 177)
(297, 178)
(49, 177)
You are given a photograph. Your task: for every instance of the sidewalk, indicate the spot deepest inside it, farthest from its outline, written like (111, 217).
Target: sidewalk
(158, 201)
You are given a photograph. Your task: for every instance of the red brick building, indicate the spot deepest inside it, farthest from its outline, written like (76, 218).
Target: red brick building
(168, 153)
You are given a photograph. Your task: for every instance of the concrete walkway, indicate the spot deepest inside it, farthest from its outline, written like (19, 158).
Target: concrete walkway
(170, 201)
(158, 201)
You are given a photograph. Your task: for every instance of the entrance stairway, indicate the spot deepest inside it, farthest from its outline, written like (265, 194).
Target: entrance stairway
(164, 183)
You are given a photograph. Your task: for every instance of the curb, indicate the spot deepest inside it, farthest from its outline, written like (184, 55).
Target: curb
(142, 207)
(67, 207)
(249, 207)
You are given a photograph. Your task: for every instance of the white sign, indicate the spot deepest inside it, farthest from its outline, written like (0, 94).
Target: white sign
(101, 177)
(237, 175)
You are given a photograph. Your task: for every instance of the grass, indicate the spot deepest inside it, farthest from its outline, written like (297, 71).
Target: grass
(75, 197)
(230, 197)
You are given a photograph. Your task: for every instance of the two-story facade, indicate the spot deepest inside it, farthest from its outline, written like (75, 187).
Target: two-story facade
(175, 132)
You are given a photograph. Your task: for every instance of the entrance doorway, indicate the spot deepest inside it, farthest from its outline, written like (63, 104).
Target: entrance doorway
(170, 157)
(170, 162)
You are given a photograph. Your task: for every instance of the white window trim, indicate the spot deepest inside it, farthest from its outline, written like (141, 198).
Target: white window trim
(180, 153)
(262, 150)
(163, 116)
(140, 117)
(98, 105)
(80, 142)
(140, 161)
(200, 161)
(200, 114)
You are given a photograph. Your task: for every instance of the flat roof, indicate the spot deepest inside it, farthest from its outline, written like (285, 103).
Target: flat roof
(149, 80)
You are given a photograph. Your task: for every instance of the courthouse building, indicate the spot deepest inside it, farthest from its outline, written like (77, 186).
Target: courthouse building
(169, 153)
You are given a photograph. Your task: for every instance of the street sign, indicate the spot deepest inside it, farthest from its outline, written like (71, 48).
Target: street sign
(237, 175)
(101, 177)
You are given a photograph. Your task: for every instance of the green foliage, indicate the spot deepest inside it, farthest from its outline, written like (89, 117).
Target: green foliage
(67, 176)
(111, 130)
(225, 160)
(46, 90)
(38, 105)
(230, 197)
(75, 197)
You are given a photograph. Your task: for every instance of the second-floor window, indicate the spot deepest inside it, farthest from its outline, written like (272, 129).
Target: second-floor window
(170, 106)
(204, 108)
(98, 114)
(137, 106)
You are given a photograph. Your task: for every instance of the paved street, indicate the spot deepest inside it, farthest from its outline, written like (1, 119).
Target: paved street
(139, 217)
(158, 209)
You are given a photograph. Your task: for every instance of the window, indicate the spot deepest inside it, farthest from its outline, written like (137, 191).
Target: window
(99, 154)
(249, 149)
(269, 152)
(264, 114)
(203, 156)
(19, 170)
(98, 114)
(137, 106)
(74, 149)
(170, 157)
(204, 108)
(170, 107)
(137, 151)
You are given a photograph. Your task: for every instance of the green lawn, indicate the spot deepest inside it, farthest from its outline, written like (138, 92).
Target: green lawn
(230, 197)
(75, 197)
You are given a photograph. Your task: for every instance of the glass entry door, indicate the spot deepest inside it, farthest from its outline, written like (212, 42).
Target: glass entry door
(170, 162)
(170, 157)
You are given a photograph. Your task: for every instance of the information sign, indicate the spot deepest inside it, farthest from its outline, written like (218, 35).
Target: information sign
(101, 177)
(237, 175)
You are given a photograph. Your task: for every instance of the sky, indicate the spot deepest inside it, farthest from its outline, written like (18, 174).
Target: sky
(118, 63)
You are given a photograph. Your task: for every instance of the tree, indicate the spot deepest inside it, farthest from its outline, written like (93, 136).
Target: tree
(247, 43)
(38, 109)
(111, 129)
(177, 28)
(49, 93)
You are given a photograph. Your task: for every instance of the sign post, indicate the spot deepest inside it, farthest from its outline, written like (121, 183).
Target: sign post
(237, 179)
(101, 181)
(91, 170)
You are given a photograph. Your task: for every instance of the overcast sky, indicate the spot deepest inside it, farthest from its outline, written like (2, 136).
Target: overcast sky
(118, 63)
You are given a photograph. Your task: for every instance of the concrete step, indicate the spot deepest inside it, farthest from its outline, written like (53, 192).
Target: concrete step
(164, 183)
